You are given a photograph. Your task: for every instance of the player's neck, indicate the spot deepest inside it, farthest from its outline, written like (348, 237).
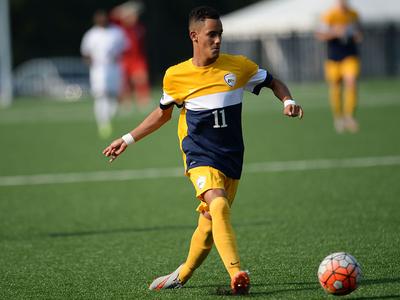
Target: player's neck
(342, 8)
(201, 61)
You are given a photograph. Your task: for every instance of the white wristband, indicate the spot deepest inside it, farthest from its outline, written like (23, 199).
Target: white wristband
(289, 102)
(128, 139)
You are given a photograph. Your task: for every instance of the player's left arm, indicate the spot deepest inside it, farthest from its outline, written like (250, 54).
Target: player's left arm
(261, 78)
(87, 59)
(358, 33)
(86, 49)
(281, 91)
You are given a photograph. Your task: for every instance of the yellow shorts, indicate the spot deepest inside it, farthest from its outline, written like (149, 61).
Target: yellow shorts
(336, 70)
(206, 178)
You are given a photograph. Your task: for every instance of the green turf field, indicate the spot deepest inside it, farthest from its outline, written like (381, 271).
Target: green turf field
(306, 192)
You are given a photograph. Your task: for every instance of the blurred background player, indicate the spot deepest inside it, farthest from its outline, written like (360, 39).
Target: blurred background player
(341, 30)
(102, 46)
(134, 59)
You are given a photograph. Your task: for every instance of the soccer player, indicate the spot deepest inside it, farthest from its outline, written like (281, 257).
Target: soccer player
(340, 28)
(102, 46)
(134, 58)
(208, 88)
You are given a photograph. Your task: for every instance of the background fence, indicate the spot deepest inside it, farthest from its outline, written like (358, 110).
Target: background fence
(300, 57)
(293, 57)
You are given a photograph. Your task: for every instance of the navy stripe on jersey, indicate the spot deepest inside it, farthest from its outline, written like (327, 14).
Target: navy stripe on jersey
(266, 83)
(166, 106)
(215, 139)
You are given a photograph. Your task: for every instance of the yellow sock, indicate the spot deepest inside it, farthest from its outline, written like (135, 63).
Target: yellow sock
(200, 247)
(350, 100)
(224, 237)
(335, 98)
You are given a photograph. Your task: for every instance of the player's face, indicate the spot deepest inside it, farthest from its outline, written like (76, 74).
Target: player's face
(209, 37)
(101, 19)
(130, 19)
(342, 4)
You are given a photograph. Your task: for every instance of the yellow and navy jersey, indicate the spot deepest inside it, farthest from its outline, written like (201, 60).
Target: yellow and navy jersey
(338, 49)
(210, 127)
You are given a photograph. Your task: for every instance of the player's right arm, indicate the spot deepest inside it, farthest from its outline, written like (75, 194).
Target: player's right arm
(327, 34)
(325, 30)
(151, 123)
(86, 47)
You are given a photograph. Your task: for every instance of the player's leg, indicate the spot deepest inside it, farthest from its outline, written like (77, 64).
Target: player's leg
(140, 81)
(200, 246)
(225, 239)
(101, 109)
(217, 193)
(350, 122)
(106, 83)
(98, 88)
(351, 69)
(125, 98)
(207, 180)
(333, 77)
(223, 234)
(126, 91)
(204, 178)
(202, 240)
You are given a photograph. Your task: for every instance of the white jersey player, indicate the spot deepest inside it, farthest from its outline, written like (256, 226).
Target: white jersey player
(102, 46)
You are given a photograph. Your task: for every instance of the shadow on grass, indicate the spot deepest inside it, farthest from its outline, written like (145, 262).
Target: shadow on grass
(219, 290)
(378, 297)
(120, 230)
(363, 282)
(379, 281)
(139, 230)
(224, 291)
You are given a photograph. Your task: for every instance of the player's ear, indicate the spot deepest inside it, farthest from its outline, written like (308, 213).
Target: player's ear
(193, 36)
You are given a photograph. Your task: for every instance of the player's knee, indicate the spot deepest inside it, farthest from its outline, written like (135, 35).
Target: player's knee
(206, 215)
(211, 194)
(350, 81)
(205, 225)
(334, 83)
(219, 207)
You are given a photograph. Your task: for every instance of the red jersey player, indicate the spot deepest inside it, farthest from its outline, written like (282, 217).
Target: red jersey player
(134, 59)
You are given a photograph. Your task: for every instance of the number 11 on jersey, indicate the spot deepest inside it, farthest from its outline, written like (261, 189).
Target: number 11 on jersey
(216, 119)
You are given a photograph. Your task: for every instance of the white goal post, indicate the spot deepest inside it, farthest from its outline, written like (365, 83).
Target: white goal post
(6, 89)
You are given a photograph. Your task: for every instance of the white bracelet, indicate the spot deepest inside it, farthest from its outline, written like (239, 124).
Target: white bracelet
(289, 102)
(128, 139)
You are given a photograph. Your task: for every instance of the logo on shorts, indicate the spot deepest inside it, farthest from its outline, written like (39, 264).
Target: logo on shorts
(201, 181)
(230, 79)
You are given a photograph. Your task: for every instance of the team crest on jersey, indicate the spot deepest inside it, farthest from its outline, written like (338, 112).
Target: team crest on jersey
(201, 181)
(230, 79)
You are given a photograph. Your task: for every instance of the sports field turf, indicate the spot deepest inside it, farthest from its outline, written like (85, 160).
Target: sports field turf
(306, 192)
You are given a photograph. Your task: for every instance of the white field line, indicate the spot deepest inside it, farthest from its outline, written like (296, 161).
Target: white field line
(156, 173)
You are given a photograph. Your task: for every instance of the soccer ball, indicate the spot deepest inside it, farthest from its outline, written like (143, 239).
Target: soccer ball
(339, 273)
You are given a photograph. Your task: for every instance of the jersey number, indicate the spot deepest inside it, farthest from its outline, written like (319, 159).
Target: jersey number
(216, 119)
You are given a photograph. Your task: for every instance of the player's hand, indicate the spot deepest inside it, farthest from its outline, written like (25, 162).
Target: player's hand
(115, 149)
(293, 110)
(339, 31)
